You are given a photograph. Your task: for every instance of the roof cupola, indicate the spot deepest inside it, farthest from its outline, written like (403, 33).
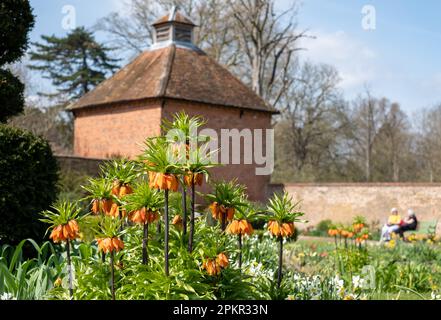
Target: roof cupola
(173, 28)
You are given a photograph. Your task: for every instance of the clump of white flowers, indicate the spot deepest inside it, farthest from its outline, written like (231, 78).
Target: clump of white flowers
(7, 296)
(256, 269)
(435, 296)
(325, 288)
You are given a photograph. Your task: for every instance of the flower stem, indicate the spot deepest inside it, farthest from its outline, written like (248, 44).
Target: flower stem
(279, 272)
(240, 251)
(193, 196)
(184, 208)
(158, 228)
(112, 275)
(224, 221)
(166, 231)
(69, 268)
(145, 243)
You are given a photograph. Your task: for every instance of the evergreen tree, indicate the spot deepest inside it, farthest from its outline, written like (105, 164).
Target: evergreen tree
(75, 64)
(16, 20)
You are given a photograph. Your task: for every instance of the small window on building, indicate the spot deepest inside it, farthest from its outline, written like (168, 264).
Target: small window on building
(183, 34)
(163, 33)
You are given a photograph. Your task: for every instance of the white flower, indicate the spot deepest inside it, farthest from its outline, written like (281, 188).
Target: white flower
(339, 283)
(433, 295)
(7, 296)
(358, 282)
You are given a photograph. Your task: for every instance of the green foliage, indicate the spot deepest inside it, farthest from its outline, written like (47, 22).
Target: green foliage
(351, 260)
(70, 183)
(193, 149)
(122, 171)
(61, 213)
(28, 180)
(75, 64)
(109, 227)
(159, 156)
(144, 197)
(11, 95)
(321, 229)
(98, 188)
(282, 209)
(230, 194)
(29, 279)
(17, 20)
(185, 125)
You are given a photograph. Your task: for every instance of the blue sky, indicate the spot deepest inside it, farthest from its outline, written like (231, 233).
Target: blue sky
(400, 59)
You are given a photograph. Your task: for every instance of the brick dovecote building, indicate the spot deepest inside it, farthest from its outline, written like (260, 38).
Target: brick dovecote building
(172, 76)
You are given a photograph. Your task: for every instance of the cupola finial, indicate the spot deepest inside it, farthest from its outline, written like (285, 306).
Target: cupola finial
(174, 28)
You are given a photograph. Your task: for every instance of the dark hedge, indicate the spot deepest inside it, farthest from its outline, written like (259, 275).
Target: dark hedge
(28, 184)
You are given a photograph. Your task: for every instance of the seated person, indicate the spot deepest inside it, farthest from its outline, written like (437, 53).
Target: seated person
(410, 223)
(392, 225)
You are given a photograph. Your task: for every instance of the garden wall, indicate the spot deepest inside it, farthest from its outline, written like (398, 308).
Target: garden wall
(88, 166)
(341, 202)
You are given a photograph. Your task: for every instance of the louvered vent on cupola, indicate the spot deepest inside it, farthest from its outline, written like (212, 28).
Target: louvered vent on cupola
(174, 27)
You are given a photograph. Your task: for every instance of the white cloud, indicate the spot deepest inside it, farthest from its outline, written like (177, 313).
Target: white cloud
(355, 61)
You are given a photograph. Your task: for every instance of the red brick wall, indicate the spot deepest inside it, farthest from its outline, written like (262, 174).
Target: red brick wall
(81, 165)
(119, 129)
(219, 117)
(341, 202)
(116, 130)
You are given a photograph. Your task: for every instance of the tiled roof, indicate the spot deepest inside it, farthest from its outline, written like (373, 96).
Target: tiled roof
(176, 73)
(174, 17)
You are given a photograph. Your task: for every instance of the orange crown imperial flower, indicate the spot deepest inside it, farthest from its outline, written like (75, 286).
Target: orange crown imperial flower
(177, 222)
(215, 266)
(222, 260)
(64, 232)
(110, 244)
(163, 181)
(240, 227)
(143, 216)
(212, 268)
(219, 211)
(102, 206)
(196, 178)
(358, 227)
(125, 190)
(114, 211)
(333, 232)
(285, 230)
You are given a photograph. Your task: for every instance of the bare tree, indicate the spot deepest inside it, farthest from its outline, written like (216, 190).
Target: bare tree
(269, 41)
(42, 115)
(429, 142)
(250, 37)
(314, 113)
(367, 119)
(133, 32)
(394, 135)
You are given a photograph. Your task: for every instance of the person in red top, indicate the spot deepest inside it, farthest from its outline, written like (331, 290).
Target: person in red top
(410, 223)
